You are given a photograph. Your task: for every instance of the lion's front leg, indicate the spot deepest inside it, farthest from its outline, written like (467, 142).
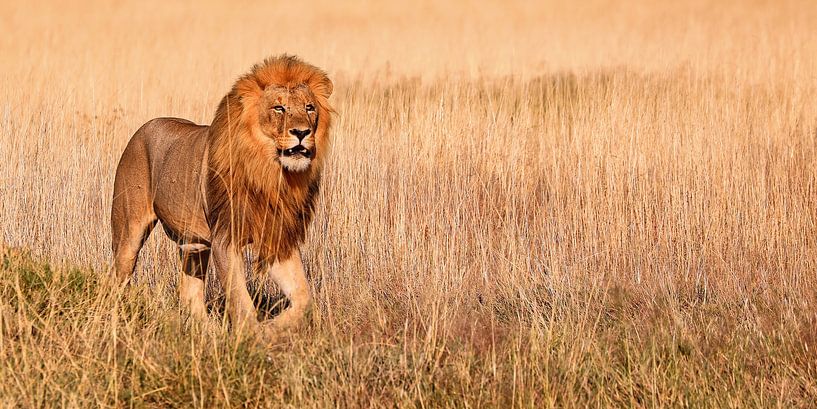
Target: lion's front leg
(229, 264)
(290, 277)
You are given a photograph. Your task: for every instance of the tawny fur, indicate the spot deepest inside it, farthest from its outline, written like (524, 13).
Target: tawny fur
(228, 185)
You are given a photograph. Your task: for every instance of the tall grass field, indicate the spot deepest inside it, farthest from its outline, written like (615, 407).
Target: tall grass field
(527, 204)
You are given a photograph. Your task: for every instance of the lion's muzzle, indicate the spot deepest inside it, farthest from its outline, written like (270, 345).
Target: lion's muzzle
(296, 159)
(297, 150)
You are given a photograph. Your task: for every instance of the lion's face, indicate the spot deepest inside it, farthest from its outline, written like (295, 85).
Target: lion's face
(289, 117)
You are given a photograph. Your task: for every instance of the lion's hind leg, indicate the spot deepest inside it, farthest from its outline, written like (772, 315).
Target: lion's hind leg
(128, 238)
(132, 215)
(191, 281)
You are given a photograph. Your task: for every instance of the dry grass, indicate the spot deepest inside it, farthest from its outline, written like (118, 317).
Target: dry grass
(530, 205)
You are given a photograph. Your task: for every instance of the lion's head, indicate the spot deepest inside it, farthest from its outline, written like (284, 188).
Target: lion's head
(288, 116)
(282, 105)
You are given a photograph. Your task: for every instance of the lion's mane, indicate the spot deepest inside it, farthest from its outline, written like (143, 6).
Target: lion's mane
(251, 199)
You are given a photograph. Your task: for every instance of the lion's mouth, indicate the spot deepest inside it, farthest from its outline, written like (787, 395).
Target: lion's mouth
(295, 151)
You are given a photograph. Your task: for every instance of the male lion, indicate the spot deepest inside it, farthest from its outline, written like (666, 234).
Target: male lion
(250, 177)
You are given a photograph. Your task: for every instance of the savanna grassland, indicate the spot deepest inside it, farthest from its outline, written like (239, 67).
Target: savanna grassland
(527, 205)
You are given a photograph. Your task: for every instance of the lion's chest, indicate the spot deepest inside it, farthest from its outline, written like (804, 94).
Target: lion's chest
(273, 224)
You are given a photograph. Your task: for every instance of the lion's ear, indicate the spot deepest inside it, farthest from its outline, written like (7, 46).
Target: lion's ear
(322, 86)
(248, 90)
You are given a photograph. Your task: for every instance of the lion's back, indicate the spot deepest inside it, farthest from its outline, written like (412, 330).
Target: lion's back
(165, 158)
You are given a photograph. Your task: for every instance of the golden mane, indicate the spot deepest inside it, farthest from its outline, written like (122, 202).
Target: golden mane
(252, 199)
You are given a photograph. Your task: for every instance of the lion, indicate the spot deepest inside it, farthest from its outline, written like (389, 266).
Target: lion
(249, 178)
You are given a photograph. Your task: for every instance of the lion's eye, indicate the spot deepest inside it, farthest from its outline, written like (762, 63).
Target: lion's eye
(279, 109)
(310, 107)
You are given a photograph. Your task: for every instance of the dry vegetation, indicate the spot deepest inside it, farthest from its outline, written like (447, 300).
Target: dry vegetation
(527, 205)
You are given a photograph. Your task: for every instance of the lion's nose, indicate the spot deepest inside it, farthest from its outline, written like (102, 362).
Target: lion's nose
(300, 133)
